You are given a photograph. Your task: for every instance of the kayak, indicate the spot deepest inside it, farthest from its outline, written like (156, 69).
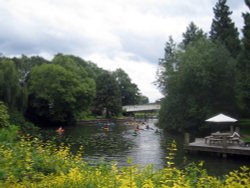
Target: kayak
(150, 128)
(106, 128)
(157, 132)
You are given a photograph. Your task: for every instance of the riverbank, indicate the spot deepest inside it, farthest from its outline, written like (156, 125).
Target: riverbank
(102, 120)
(47, 165)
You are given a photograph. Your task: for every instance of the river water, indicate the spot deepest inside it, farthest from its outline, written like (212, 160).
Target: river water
(119, 143)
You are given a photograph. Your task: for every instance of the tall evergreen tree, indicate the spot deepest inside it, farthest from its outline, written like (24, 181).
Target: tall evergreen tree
(223, 29)
(244, 66)
(193, 33)
(167, 65)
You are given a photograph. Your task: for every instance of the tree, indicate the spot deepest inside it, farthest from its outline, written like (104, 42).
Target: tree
(57, 94)
(223, 29)
(70, 64)
(129, 91)
(167, 65)
(9, 85)
(143, 99)
(243, 67)
(4, 116)
(193, 33)
(202, 86)
(108, 97)
(79, 68)
(24, 65)
(82, 67)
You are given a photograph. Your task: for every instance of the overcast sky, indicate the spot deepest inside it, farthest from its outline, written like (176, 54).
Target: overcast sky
(127, 34)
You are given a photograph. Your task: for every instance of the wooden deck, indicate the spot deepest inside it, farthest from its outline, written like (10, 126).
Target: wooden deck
(231, 149)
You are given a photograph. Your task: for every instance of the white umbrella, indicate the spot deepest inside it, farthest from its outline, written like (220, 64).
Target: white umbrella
(221, 118)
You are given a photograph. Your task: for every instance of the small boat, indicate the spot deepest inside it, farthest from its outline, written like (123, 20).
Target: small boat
(148, 128)
(134, 134)
(157, 132)
(106, 128)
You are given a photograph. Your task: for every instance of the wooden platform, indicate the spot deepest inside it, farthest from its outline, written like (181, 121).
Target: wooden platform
(232, 149)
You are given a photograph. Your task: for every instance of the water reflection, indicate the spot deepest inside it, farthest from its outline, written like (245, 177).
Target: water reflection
(147, 147)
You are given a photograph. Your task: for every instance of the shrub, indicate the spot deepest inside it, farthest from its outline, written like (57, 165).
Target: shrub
(32, 163)
(4, 116)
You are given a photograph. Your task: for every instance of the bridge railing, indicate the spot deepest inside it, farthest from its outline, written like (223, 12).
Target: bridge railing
(137, 108)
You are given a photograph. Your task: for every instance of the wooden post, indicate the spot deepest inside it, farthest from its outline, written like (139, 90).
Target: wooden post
(231, 129)
(186, 139)
(224, 141)
(237, 129)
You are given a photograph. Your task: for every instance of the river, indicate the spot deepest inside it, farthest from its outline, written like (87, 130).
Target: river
(119, 143)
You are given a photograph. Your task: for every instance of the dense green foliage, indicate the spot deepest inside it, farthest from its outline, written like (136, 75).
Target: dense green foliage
(9, 84)
(57, 94)
(167, 65)
(23, 66)
(192, 34)
(223, 29)
(64, 89)
(4, 116)
(143, 99)
(202, 86)
(243, 76)
(205, 76)
(108, 96)
(129, 91)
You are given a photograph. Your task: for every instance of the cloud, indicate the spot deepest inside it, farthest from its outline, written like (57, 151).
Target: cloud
(127, 34)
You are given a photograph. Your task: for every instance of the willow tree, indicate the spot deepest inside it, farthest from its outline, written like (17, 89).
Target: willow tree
(9, 83)
(4, 116)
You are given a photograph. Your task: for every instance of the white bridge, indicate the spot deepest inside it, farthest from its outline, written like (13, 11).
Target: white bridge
(141, 108)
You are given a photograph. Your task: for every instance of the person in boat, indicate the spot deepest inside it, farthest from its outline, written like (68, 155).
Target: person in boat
(137, 128)
(60, 130)
(157, 131)
(149, 128)
(135, 132)
(106, 127)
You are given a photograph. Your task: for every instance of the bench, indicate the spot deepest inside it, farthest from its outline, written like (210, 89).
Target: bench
(212, 140)
(215, 140)
(207, 138)
(234, 140)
